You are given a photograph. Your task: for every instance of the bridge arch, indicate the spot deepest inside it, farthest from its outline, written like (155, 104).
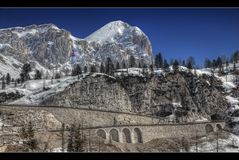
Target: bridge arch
(138, 135)
(114, 134)
(218, 127)
(126, 135)
(101, 133)
(208, 128)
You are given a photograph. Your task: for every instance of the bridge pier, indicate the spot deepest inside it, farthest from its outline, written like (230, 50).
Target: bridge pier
(107, 140)
(132, 136)
(121, 136)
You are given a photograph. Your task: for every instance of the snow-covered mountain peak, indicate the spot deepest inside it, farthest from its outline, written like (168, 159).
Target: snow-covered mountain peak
(117, 23)
(39, 42)
(49, 25)
(30, 27)
(109, 32)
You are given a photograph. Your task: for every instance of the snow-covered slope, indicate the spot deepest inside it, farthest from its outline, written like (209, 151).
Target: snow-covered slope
(34, 93)
(9, 65)
(226, 144)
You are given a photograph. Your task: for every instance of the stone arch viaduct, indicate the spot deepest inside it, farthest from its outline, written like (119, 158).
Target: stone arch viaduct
(145, 133)
(120, 126)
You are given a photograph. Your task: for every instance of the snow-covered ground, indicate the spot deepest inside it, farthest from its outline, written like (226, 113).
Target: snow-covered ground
(233, 101)
(34, 93)
(57, 150)
(24, 33)
(129, 71)
(203, 71)
(231, 144)
(202, 119)
(102, 74)
(4, 45)
(33, 89)
(9, 65)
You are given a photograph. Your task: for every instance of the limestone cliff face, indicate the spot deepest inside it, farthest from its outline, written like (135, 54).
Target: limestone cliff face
(51, 47)
(36, 43)
(13, 120)
(180, 96)
(100, 92)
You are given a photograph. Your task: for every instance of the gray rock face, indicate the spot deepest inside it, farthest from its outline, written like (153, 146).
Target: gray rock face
(119, 40)
(37, 43)
(52, 47)
(101, 92)
(160, 96)
(4, 97)
(13, 120)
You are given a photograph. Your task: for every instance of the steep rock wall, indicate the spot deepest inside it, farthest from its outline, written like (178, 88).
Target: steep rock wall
(182, 97)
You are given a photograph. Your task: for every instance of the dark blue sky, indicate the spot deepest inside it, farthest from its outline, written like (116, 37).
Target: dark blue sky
(176, 33)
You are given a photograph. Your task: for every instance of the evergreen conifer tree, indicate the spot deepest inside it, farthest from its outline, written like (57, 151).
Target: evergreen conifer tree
(85, 69)
(70, 145)
(8, 79)
(3, 82)
(117, 65)
(132, 61)
(175, 66)
(102, 68)
(123, 64)
(63, 137)
(109, 67)
(166, 65)
(38, 75)
(26, 69)
(92, 69)
(189, 65)
(79, 141)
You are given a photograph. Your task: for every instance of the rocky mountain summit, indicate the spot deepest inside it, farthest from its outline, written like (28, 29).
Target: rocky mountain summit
(47, 47)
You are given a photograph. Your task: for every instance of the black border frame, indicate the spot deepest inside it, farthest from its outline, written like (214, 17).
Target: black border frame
(117, 4)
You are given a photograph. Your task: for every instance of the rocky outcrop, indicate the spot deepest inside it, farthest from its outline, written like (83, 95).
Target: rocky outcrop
(181, 97)
(8, 97)
(182, 94)
(100, 91)
(13, 120)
